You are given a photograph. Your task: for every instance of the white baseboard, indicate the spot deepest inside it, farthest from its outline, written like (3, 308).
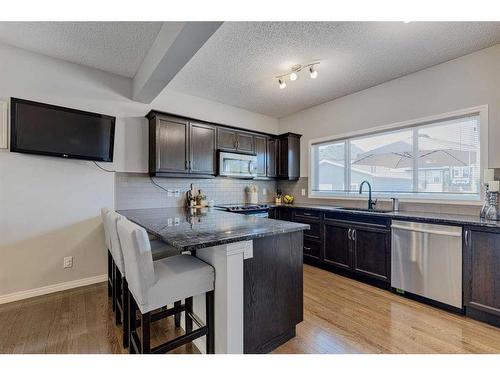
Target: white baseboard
(17, 296)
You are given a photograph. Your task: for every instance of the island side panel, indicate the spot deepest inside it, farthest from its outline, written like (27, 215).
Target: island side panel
(273, 291)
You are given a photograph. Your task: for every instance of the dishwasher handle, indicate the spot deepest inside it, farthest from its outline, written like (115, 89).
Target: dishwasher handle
(423, 230)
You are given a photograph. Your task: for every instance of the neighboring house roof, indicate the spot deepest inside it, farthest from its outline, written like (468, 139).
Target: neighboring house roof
(362, 171)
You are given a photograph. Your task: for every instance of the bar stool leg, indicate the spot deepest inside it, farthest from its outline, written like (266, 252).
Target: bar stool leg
(116, 295)
(110, 274)
(132, 322)
(126, 312)
(146, 331)
(188, 320)
(113, 278)
(177, 316)
(209, 303)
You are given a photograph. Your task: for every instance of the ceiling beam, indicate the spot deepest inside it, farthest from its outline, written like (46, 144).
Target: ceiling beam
(175, 45)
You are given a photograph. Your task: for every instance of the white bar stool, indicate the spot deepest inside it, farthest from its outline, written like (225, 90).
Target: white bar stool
(153, 285)
(119, 281)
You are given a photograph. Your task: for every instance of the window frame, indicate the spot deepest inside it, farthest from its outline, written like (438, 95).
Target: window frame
(444, 198)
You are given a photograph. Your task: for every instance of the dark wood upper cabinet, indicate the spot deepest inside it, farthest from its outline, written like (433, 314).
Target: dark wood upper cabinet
(180, 146)
(168, 139)
(245, 142)
(482, 274)
(226, 139)
(202, 148)
(272, 157)
(289, 156)
(261, 151)
(236, 141)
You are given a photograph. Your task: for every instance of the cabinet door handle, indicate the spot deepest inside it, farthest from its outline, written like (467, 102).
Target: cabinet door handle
(466, 237)
(186, 164)
(307, 248)
(306, 214)
(353, 235)
(190, 165)
(349, 234)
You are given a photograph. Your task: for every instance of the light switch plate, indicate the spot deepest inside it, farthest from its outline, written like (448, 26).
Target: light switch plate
(303, 192)
(3, 125)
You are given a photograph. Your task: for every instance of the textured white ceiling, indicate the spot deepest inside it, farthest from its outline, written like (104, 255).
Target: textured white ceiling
(237, 64)
(115, 47)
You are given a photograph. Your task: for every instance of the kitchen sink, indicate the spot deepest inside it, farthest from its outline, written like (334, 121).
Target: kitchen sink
(365, 209)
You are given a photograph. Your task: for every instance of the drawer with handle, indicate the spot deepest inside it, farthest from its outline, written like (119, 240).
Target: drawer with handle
(311, 249)
(306, 214)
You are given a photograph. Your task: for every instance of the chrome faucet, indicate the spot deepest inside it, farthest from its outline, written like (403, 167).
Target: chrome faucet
(371, 204)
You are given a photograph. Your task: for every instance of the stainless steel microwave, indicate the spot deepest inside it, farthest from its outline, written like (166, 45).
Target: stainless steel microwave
(232, 164)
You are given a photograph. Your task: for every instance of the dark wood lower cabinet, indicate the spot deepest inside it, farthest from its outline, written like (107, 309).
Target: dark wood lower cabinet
(273, 292)
(371, 252)
(337, 245)
(356, 245)
(359, 246)
(312, 249)
(482, 274)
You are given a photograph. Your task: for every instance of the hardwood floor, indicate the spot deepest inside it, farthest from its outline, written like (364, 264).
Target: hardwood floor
(340, 316)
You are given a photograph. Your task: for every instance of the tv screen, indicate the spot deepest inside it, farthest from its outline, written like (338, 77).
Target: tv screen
(44, 129)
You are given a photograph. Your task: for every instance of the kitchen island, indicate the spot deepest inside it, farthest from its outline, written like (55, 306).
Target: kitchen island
(258, 272)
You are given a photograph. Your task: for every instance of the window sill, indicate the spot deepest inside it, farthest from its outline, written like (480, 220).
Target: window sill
(436, 201)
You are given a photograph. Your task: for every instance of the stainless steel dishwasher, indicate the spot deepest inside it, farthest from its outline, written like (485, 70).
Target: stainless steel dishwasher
(427, 261)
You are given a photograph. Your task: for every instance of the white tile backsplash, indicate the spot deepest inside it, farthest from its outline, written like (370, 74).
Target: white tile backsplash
(136, 190)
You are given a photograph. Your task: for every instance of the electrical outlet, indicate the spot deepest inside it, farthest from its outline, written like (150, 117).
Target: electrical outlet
(169, 222)
(170, 193)
(68, 262)
(177, 193)
(303, 192)
(177, 221)
(264, 191)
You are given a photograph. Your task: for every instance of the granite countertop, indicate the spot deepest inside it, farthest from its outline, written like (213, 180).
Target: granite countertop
(428, 217)
(191, 229)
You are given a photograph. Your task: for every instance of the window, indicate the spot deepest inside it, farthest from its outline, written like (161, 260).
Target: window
(433, 159)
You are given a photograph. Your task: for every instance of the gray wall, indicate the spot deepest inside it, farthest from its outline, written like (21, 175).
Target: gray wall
(465, 82)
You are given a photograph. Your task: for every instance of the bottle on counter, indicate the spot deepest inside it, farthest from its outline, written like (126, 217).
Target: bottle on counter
(278, 197)
(191, 197)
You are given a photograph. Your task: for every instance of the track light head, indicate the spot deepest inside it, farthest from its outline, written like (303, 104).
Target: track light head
(313, 72)
(282, 83)
(293, 76)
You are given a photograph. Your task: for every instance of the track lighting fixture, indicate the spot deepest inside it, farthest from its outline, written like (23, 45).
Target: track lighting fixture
(294, 74)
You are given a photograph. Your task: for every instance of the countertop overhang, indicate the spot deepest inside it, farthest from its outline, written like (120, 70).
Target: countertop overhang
(190, 229)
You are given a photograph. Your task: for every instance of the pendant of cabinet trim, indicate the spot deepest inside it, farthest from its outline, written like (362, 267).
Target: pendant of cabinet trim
(181, 147)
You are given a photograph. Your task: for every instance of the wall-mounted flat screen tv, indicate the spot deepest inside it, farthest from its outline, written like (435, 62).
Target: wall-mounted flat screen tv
(44, 129)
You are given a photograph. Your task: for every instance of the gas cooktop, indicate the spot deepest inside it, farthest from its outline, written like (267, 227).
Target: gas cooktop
(244, 207)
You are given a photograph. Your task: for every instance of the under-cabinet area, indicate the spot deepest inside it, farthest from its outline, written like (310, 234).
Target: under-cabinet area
(458, 271)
